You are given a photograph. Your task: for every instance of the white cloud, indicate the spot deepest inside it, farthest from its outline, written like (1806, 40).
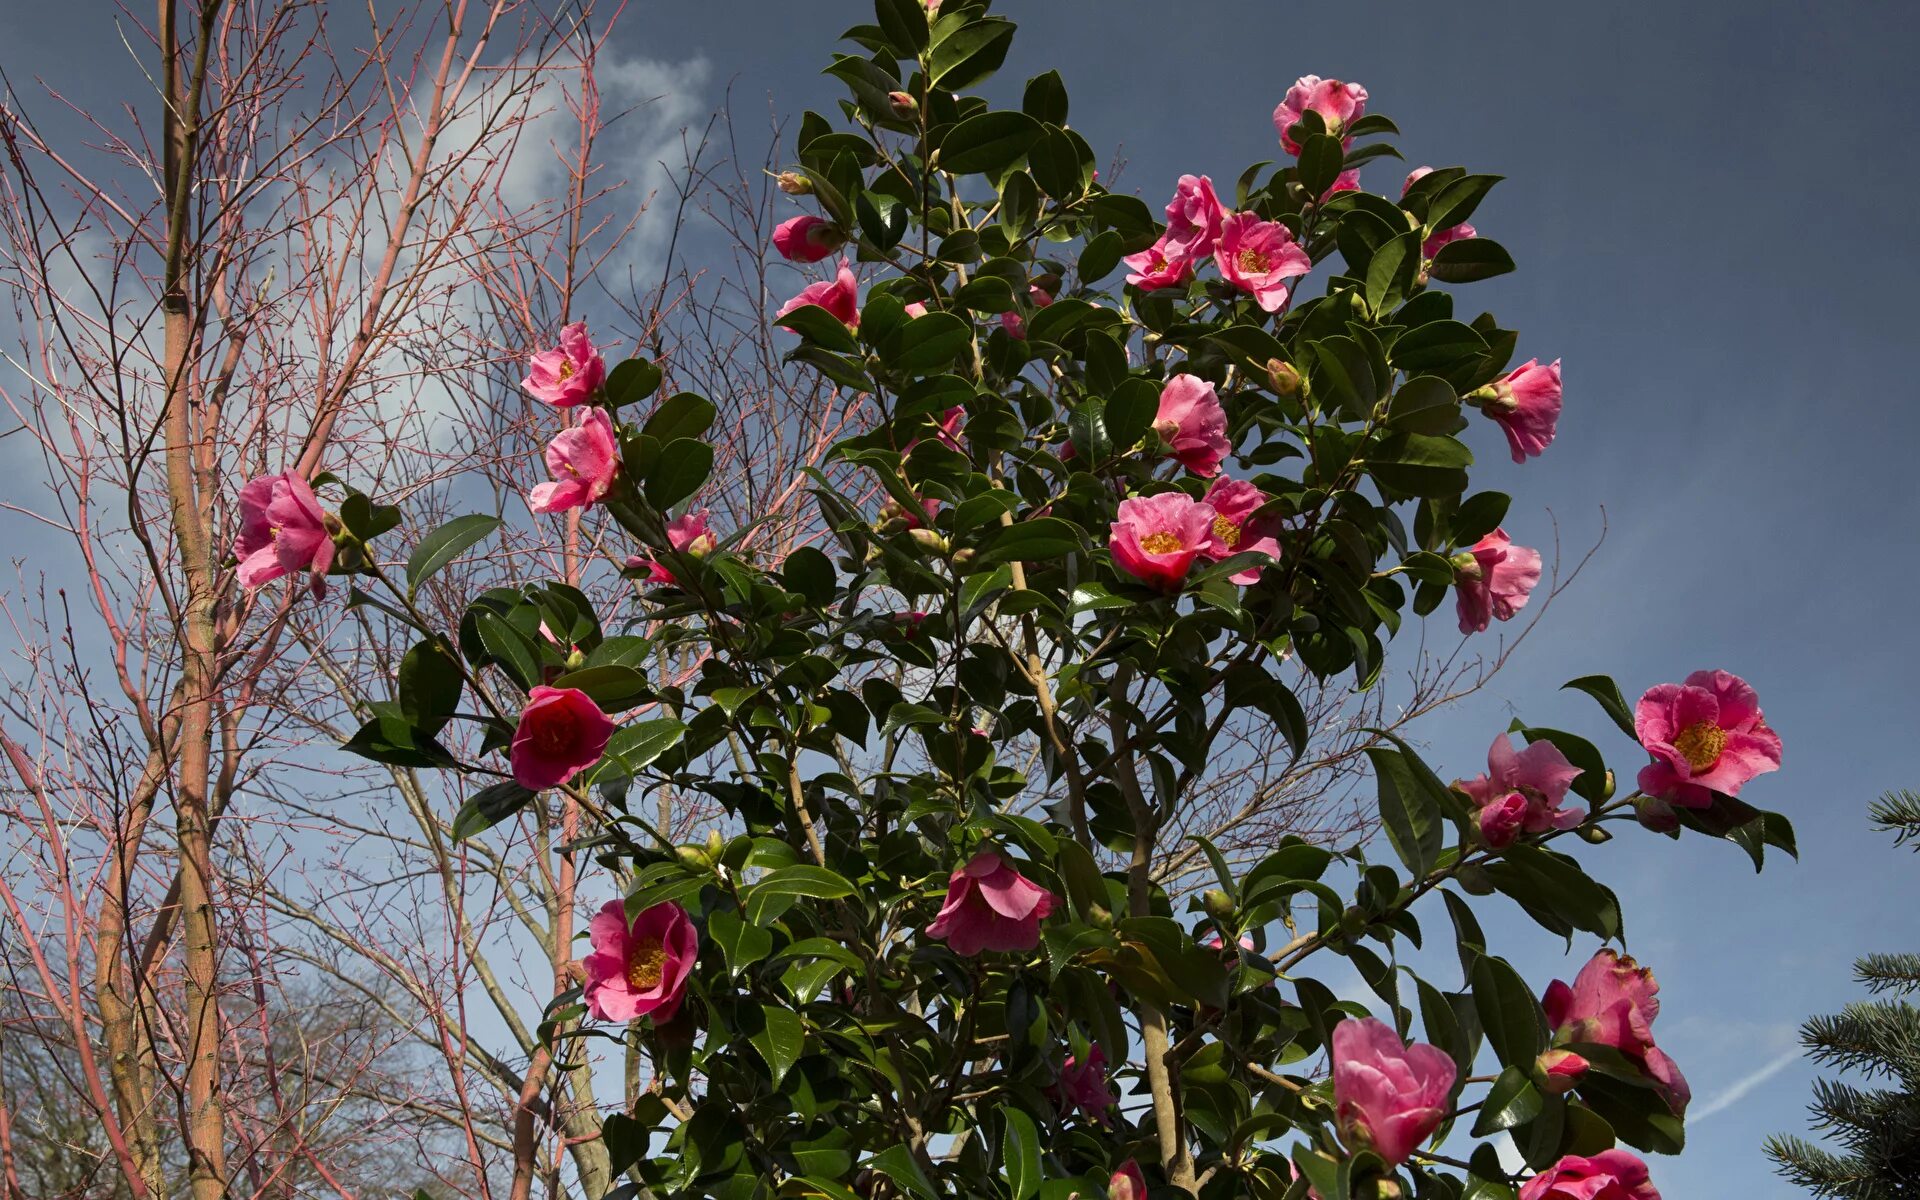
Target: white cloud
(1738, 1090)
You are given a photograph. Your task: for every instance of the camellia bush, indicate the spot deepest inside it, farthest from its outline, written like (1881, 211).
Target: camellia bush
(1130, 476)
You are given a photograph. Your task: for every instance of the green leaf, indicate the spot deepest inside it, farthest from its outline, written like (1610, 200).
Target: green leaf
(969, 54)
(444, 545)
(989, 143)
(1470, 260)
(1020, 1153)
(905, 24)
(639, 744)
(430, 684)
(742, 943)
(1515, 1026)
(1089, 432)
(684, 465)
(1479, 515)
(1513, 1100)
(780, 1040)
(611, 686)
(927, 344)
(1321, 157)
(820, 327)
(1059, 165)
(1604, 690)
(391, 739)
(898, 1164)
(1130, 410)
(1555, 891)
(1045, 98)
(631, 382)
(683, 415)
(1410, 814)
(1032, 540)
(808, 571)
(489, 806)
(782, 886)
(1425, 404)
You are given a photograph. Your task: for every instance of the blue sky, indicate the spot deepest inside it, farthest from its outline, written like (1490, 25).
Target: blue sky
(1710, 205)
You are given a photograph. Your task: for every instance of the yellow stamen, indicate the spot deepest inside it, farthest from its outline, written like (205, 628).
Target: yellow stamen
(1160, 543)
(1701, 745)
(1226, 531)
(1252, 261)
(566, 369)
(646, 962)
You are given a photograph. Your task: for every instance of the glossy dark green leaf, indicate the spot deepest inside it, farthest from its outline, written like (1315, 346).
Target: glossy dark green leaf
(684, 466)
(989, 143)
(1470, 260)
(445, 544)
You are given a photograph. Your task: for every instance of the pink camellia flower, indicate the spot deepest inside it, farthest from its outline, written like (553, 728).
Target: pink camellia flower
(1156, 538)
(1526, 403)
(1161, 265)
(1439, 237)
(1259, 257)
(583, 462)
(569, 374)
(991, 906)
(657, 572)
(1493, 580)
(639, 970)
(1084, 1085)
(1613, 1002)
(807, 239)
(562, 732)
(282, 530)
(839, 296)
(1387, 1096)
(1608, 1175)
(1193, 218)
(1501, 820)
(1128, 1183)
(689, 533)
(916, 309)
(1236, 528)
(1522, 791)
(1192, 424)
(1706, 735)
(1339, 105)
(1014, 323)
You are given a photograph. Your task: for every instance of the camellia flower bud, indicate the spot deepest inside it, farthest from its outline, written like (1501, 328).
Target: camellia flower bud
(1556, 1071)
(930, 539)
(1218, 904)
(693, 856)
(964, 557)
(1284, 378)
(575, 659)
(793, 183)
(903, 105)
(716, 844)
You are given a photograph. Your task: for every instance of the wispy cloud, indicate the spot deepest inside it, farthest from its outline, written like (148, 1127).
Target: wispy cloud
(1738, 1090)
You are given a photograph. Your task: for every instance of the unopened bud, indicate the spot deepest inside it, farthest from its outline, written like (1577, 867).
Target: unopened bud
(1556, 1071)
(575, 659)
(1284, 378)
(930, 540)
(903, 105)
(716, 844)
(1218, 904)
(1656, 814)
(793, 183)
(964, 557)
(692, 856)
(1099, 917)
